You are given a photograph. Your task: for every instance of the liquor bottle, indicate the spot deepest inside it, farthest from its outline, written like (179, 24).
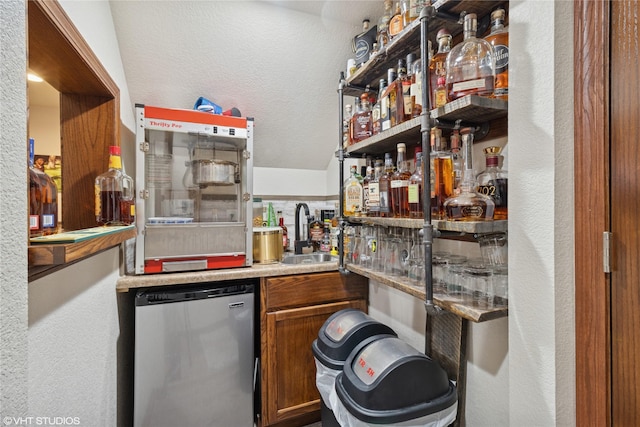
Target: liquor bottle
(374, 190)
(316, 231)
(334, 230)
(353, 197)
(416, 209)
(405, 79)
(35, 195)
(396, 24)
(383, 26)
(385, 103)
(325, 243)
(442, 177)
(48, 200)
(385, 187)
(366, 182)
(407, 16)
(376, 122)
(468, 205)
(400, 184)
(285, 232)
(493, 182)
(470, 64)
(114, 193)
(346, 126)
(458, 160)
(362, 44)
(416, 87)
(394, 93)
(361, 120)
(438, 64)
(499, 39)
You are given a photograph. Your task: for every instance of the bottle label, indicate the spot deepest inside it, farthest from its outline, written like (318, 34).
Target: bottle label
(374, 194)
(48, 221)
(468, 85)
(406, 96)
(98, 208)
(416, 89)
(501, 56)
(384, 201)
(353, 198)
(34, 222)
(414, 196)
(399, 183)
(384, 108)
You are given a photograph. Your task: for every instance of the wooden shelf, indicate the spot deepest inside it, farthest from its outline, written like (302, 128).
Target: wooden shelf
(44, 259)
(416, 289)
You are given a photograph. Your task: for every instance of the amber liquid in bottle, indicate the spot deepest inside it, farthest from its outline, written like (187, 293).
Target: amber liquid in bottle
(400, 185)
(499, 39)
(416, 207)
(438, 66)
(385, 187)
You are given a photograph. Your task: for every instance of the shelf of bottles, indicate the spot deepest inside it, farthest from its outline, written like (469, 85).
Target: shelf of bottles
(473, 110)
(448, 12)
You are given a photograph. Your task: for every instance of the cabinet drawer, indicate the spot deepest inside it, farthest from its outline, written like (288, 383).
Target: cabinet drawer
(306, 289)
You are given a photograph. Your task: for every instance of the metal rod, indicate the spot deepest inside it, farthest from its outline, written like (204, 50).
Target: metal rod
(340, 154)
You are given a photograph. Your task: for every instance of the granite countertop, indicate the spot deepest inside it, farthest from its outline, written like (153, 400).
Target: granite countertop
(126, 283)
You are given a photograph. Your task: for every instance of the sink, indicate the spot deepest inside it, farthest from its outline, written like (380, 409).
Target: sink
(315, 258)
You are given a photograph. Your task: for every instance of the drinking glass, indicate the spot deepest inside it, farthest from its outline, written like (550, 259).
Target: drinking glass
(494, 249)
(478, 286)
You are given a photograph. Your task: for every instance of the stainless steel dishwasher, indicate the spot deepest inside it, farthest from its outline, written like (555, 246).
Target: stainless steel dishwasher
(194, 361)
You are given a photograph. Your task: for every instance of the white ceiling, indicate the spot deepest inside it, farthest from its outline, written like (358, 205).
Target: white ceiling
(277, 61)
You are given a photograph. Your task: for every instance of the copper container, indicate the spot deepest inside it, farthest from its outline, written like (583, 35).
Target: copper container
(267, 245)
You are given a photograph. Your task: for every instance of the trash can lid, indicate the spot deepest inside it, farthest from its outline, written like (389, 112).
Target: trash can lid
(388, 381)
(342, 332)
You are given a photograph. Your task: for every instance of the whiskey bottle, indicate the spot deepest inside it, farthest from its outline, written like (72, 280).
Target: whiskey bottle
(438, 65)
(353, 193)
(400, 184)
(416, 86)
(396, 23)
(35, 195)
(442, 177)
(468, 205)
(385, 187)
(405, 80)
(361, 120)
(396, 100)
(383, 25)
(285, 232)
(385, 103)
(499, 39)
(470, 64)
(376, 119)
(493, 182)
(416, 208)
(325, 243)
(114, 193)
(366, 195)
(374, 190)
(458, 160)
(316, 231)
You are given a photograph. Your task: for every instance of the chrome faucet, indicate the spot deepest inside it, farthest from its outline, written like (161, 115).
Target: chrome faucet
(298, 244)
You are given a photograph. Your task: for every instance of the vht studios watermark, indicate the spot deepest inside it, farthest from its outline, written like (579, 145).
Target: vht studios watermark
(40, 421)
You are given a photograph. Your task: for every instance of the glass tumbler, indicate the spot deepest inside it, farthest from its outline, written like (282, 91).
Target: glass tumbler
(500, 286)
(494, 249)
(478, 286)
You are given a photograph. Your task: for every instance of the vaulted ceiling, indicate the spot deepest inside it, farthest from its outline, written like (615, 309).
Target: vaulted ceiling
(277, 61)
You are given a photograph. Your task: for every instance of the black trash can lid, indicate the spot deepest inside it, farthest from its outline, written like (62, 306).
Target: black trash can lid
(342, 332)
(388, 381)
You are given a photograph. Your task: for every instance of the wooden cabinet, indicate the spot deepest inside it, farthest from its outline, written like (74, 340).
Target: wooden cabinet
(292, 311)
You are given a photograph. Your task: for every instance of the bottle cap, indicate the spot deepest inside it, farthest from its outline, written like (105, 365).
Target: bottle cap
(402, 147)
(470, 22)
(114, 150)
(443, 32)
(497, 14)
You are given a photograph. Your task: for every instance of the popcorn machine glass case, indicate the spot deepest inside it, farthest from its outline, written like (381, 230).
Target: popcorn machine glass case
(194, 209)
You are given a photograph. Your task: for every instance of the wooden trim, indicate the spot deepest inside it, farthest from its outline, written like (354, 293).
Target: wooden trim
(591, 173)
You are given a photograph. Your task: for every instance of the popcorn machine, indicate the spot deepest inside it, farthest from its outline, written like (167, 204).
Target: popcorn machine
(194, 208)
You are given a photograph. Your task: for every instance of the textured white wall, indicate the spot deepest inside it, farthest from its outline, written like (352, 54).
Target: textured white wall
(541, 274)
(13, 208)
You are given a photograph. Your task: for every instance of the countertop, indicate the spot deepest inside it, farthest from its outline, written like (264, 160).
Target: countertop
(125, 283)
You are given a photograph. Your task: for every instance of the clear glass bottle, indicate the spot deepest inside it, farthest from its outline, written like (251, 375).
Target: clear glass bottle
(114, 193)
(383, 25)
(468, 205)
(366, 187)
(416, 208)
(442, 178)
(499, 39)
(493, 181)
(470, 64)
(400, 184)
(346, 126)
(353, 193)
(458, 160)
(385, 187)
(374, 190)
(438, 65)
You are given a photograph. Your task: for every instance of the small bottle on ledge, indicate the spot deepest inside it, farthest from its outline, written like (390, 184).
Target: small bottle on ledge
(114, 193)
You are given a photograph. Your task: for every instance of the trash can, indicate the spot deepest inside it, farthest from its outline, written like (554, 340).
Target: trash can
(389, 383)
(340, 334)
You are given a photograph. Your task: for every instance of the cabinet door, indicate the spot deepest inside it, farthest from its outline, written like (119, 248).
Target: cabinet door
(289, 372)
